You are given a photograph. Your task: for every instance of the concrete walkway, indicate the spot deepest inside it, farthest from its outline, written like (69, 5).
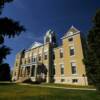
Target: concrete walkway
(56, 87)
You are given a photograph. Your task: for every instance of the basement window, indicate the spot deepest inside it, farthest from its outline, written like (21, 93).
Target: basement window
(62, 80)
(74, 80)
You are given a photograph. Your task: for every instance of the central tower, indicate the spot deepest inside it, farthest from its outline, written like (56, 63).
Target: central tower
(50, 37)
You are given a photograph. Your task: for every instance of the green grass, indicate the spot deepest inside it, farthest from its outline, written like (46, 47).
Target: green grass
(31, 92)
(68, 85)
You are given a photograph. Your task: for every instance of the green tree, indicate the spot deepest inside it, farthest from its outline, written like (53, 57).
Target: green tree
(8, 28)
(92, 58)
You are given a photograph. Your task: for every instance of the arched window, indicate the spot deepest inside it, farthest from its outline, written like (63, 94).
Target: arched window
(47, 39)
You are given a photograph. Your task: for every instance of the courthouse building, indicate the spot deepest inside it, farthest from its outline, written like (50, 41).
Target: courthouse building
(49, 62)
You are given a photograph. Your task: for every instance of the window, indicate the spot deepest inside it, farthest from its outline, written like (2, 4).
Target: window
(39, 58)
(70, 39)
(45, 55)
(25, 61)
(72, 51)
(73, 66)
(28, 60)
(61, 53)
(74, 80)
(34, 59)
(62, 80)
(47, 39)
(62, 69)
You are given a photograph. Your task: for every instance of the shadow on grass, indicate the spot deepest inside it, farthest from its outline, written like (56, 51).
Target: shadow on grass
(7, 83)
(29, 81)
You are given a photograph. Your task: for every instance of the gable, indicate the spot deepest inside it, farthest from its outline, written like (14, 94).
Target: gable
(72, 30)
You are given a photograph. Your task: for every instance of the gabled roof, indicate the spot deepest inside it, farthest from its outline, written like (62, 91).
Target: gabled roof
(35, 44)
(72, 30)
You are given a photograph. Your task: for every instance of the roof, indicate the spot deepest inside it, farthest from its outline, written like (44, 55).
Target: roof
(72, 30)
(35, 44)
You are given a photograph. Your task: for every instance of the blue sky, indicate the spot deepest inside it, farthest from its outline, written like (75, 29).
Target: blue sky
(40, 15)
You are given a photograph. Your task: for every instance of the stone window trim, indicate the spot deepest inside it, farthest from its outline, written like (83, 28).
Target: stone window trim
(75, 80)
(39, 57)
(61, 52)
(72, 51)
(62, 80)
(74, 65)
(45, 55)
(70, 39)
(34, 59)
(62, 69)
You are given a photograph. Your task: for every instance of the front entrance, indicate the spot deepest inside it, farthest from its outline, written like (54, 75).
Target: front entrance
(41, 73)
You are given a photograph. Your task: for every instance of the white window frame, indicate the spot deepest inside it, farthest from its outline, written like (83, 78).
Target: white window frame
(63, 68)
(61, 50)
(71, 47)
(44, 55)
(75, 66)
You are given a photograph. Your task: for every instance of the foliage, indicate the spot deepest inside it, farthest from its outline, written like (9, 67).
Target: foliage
(3, 52)
(2, 3)
(8, 28)
(5, 72)
(92, 60)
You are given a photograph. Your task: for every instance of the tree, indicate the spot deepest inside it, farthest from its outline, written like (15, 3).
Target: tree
(5, 74)
(92, 59)
(8, 28)
(2, 3)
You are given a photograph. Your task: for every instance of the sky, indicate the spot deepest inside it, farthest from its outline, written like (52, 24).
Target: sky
(38, 16)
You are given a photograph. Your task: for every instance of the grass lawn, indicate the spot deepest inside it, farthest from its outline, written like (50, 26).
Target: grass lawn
(68, 86)
(31, 92)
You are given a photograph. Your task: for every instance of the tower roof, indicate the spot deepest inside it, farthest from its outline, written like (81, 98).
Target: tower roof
(72, 30)
(49, 32)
